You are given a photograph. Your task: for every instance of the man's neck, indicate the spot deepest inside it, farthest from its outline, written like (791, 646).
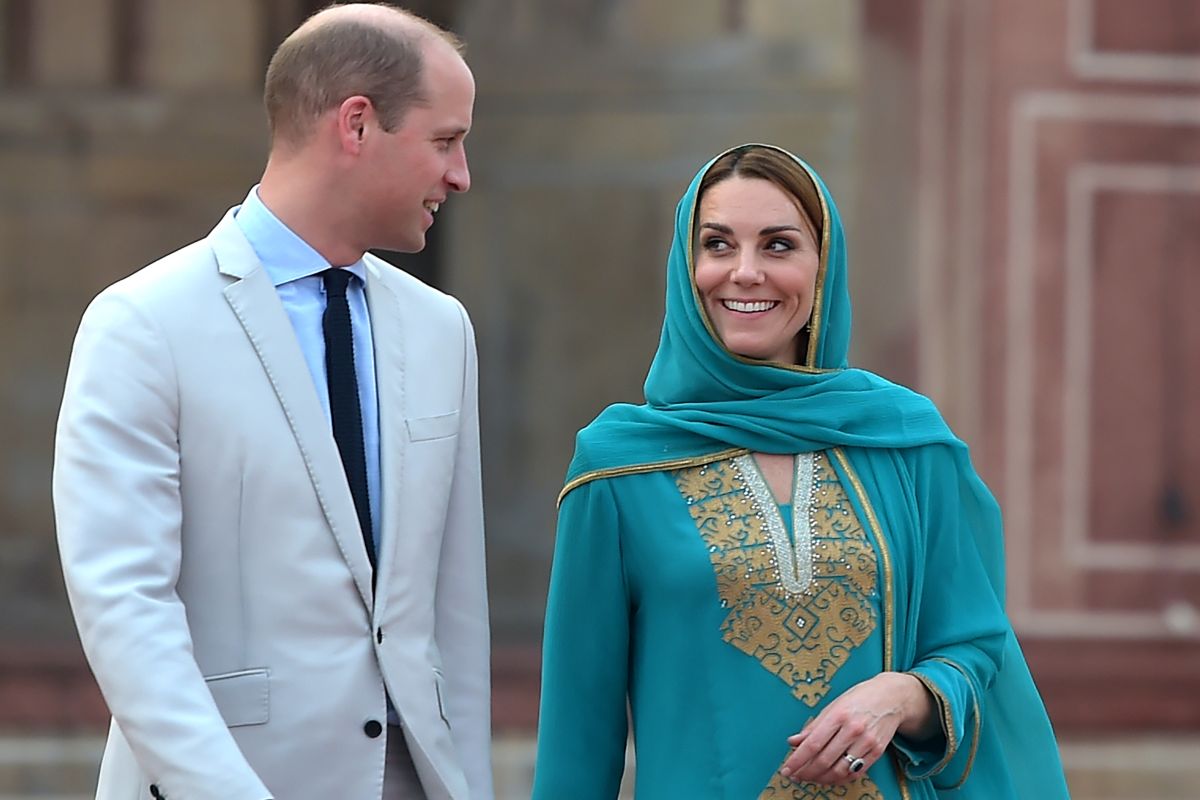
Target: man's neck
(302, 202)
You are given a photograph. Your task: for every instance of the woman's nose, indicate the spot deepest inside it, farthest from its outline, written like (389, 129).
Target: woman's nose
(746, 271)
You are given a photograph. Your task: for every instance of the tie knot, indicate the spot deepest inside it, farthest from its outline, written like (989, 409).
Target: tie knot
(336, 280)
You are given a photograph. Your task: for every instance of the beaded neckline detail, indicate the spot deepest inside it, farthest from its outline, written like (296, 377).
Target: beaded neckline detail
(794, 560)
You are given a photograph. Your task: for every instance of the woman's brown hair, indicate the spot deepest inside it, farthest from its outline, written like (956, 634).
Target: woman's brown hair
(767, 163)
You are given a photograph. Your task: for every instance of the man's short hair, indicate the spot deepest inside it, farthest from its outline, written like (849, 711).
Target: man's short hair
(319, 66)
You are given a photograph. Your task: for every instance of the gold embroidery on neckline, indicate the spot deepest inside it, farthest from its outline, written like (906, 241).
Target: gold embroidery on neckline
(803, 639)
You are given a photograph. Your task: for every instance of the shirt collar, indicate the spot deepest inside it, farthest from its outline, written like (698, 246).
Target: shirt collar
(284, 255)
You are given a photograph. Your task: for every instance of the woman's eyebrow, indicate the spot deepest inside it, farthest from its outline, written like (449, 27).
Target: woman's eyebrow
(767, 231)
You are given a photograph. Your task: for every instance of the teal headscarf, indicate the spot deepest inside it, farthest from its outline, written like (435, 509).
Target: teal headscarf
(703, 402)
(703, 399)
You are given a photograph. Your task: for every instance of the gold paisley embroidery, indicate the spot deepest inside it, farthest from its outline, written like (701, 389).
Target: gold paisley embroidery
(861, 788)
(803, 639)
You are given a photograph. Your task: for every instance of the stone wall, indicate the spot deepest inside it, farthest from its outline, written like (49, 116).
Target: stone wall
(128, 126)
(98, 180)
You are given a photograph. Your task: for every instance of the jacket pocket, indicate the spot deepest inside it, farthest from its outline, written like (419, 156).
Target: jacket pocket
(440, 427)
(243, 697)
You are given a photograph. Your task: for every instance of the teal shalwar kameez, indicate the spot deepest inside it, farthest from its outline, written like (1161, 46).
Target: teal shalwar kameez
(683, 598)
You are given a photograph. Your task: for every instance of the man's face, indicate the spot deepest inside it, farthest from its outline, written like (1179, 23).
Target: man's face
(414, 168)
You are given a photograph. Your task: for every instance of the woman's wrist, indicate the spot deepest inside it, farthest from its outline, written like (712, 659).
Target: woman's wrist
(918, 708)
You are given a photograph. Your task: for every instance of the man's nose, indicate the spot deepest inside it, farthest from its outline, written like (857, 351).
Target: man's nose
(459, 175)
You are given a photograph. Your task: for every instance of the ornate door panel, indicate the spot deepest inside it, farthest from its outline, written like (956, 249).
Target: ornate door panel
(1058, 260)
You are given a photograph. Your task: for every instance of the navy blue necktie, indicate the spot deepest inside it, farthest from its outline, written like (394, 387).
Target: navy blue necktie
(344, 404)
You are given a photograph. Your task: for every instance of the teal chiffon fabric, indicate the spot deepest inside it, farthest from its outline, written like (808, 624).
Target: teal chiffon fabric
(935, 512)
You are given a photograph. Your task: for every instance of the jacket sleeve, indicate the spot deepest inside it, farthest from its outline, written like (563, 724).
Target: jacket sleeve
(961, 626)
(582, 725)
(118, 515)
(461, 604)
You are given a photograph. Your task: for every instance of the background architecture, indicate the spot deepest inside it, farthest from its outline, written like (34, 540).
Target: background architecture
(1020, 182)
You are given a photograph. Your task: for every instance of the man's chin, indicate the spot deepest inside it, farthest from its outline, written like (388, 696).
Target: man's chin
(410, 245)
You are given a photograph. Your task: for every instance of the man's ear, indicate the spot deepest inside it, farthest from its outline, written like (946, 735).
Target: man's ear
(353, 120)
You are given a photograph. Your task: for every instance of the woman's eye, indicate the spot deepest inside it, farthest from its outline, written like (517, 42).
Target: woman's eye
(780, 245)
(715, 245)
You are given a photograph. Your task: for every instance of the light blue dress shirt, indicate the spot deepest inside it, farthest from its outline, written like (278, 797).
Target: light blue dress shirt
(295, 269)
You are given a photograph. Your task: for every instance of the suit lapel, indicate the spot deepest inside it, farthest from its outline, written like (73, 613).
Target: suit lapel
(257, 306)
(388, 339)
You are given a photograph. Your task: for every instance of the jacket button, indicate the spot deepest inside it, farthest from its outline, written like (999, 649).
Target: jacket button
(155, 793)
(372, 729)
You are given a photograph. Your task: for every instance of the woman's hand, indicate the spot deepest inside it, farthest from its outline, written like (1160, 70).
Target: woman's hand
(859, 724)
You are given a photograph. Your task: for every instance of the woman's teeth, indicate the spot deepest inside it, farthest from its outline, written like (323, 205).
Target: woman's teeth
(748, 307)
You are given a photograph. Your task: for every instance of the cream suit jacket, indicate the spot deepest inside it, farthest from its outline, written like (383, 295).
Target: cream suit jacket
(214, 560)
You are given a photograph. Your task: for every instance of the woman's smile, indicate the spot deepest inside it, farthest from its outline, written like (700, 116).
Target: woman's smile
(749, 306)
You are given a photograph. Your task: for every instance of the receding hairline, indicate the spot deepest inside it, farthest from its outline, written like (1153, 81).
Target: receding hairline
(381, 15)
(295, 95)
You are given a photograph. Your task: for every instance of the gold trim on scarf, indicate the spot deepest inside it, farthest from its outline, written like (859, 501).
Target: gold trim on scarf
(888, 606)
(655, 466)
(885, 555)
(816, 318)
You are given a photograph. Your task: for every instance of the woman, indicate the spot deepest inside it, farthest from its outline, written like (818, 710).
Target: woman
(788, 569)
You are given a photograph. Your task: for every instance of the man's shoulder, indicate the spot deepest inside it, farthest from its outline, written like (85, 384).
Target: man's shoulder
(411, 291)
(189, 270)
(168, 275)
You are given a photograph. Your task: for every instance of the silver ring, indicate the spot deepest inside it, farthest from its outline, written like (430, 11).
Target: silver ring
(856, 763)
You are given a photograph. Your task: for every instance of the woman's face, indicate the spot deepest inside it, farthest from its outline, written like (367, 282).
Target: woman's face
(756, 267)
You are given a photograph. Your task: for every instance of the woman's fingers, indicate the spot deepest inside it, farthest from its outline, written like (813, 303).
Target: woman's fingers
(860, 723)
(796, 738)
(825, 764)
(812, 740)
(843, 754)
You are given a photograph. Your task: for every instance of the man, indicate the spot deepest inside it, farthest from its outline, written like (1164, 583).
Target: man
(267, 469)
